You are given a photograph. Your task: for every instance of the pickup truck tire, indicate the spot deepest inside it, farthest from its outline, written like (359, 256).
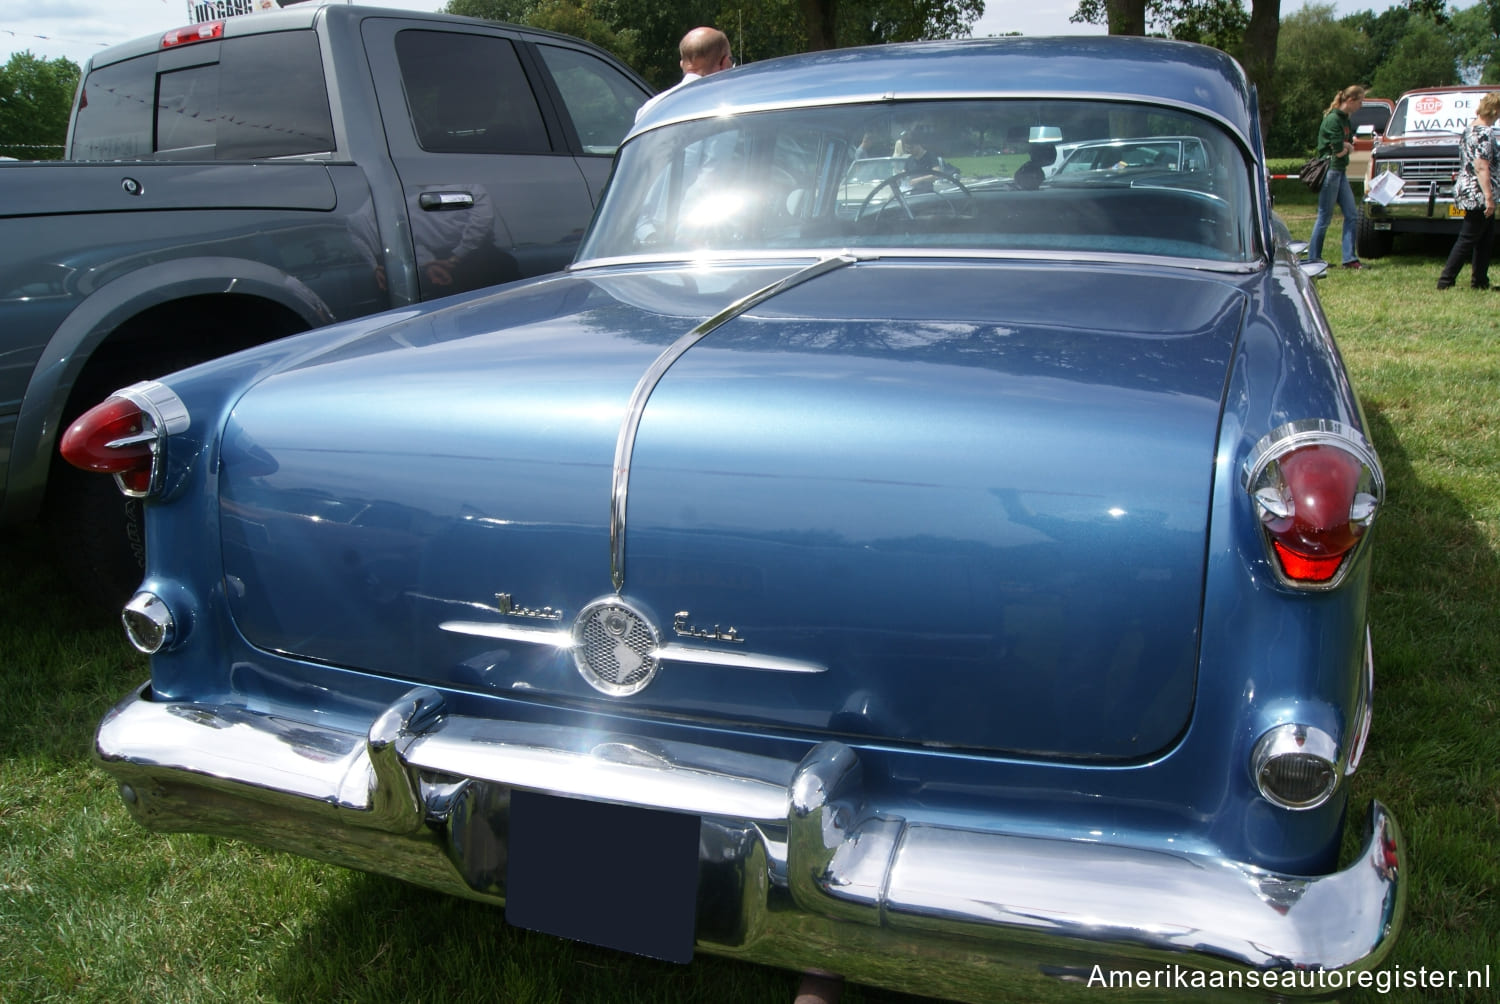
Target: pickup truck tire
(98, 533)
(1369, 242)
(98, 536)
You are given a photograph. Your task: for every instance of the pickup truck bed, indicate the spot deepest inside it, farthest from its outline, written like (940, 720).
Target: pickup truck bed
(245, 179)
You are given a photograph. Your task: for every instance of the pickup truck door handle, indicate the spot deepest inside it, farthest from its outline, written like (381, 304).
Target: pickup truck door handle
(440, 201)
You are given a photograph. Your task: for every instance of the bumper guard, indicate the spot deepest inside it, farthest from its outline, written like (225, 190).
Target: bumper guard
(816, 877)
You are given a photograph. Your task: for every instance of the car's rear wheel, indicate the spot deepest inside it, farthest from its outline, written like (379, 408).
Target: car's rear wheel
(1369, 242)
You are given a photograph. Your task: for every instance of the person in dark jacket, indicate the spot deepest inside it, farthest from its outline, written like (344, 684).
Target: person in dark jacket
(1474, 193)
(1336, 141)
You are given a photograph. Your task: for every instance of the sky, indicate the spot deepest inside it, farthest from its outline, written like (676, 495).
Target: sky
(77, 28)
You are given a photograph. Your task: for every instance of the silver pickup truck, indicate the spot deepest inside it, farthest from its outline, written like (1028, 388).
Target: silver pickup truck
(1420, 146)
(239, 180)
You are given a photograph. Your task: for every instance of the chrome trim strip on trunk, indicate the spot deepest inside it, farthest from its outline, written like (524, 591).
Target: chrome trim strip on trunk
(625, 443)
(672, 652)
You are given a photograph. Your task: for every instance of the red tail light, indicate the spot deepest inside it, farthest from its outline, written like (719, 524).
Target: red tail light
(115, 437)
(1316, 486)
(125, 436)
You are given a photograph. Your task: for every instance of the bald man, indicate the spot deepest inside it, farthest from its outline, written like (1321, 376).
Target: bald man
(704, 51)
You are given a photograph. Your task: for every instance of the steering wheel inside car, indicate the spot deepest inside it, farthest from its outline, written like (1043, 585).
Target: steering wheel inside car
(900, 198)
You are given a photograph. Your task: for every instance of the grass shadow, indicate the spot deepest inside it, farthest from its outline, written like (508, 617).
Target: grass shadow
(1436, 763)
(63, 663)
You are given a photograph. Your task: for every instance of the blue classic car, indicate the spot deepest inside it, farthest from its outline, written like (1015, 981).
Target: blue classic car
(968, 583)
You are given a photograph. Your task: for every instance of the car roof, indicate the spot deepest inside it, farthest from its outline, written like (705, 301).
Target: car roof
(1158, 71)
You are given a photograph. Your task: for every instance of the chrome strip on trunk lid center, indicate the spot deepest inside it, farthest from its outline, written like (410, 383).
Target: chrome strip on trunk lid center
(625, 444)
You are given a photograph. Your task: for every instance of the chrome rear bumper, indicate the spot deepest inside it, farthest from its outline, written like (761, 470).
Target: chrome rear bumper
(817, 877)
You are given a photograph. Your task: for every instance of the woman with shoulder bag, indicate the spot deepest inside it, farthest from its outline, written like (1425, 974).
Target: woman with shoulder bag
(1336, 142)
(1474, 193)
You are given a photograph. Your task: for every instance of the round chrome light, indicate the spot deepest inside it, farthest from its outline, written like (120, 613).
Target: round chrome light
(148, 623)
(615, 647)
(1296, 766)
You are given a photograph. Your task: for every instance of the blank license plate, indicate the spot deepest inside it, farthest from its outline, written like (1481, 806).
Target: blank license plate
(612, 875)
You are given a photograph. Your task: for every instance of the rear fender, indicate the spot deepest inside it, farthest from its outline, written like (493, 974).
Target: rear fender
(65, 357)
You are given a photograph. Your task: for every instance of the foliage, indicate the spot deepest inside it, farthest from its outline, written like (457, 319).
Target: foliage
(644, 33)
(1426, 56)
(36, 98)
(1316, 57)
(1219, 23)
(1473, 31)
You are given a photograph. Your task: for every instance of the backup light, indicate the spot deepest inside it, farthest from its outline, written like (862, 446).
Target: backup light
(149, 623)
(1296, 766)
(1316, 487)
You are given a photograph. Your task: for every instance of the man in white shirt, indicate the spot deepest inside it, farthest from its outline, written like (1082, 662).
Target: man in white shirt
(703, 51)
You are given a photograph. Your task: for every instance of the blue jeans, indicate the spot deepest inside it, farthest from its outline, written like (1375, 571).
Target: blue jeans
(1335, 189)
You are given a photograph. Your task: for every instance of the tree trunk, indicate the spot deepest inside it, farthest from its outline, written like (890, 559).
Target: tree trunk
(1258, 56)
(821, 19)
(1126, 17)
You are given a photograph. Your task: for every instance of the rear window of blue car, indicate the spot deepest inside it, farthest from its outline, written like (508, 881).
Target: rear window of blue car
(1001, 175)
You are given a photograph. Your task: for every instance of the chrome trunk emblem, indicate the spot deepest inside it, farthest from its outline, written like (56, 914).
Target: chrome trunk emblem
(615, 647)
(509, 609)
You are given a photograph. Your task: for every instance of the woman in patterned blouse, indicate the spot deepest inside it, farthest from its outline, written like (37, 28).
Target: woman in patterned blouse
(1474, 193)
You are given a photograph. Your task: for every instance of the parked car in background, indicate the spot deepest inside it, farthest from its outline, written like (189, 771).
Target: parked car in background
(1369, 125)
(1155, 153)
(1420, 146)
(965, 590)
(1370, 121)
(864, 175)
(238, 180)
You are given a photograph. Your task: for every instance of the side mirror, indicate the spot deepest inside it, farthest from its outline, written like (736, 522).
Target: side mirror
(1313, 269)
(1365, 132)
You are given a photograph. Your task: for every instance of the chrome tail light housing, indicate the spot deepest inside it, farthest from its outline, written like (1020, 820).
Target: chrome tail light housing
(1316, 486)
(126, 436)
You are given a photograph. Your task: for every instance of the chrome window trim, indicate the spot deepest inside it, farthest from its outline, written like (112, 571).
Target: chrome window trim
(911, 97)
(1261, 210)
(876, 253)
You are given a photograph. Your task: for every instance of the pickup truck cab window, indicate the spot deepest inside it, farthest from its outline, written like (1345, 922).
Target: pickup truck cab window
(468, 94)
(113, 119)
(600, 99)
(208, 103)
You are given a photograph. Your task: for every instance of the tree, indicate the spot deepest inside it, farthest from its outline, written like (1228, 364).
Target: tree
(1474, 32)
(1426, 56)
(1316, 57)
(1255, 46)
(645, 33)
(36, 98)
(589, 21)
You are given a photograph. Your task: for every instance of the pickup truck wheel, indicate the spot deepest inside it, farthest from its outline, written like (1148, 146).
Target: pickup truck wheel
(1369, 242)
(98, 536)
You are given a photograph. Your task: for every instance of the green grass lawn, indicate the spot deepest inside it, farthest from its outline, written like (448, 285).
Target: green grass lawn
(94, 908)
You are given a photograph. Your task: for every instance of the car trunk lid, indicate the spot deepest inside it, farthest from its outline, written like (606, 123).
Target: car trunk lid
(956, 504)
